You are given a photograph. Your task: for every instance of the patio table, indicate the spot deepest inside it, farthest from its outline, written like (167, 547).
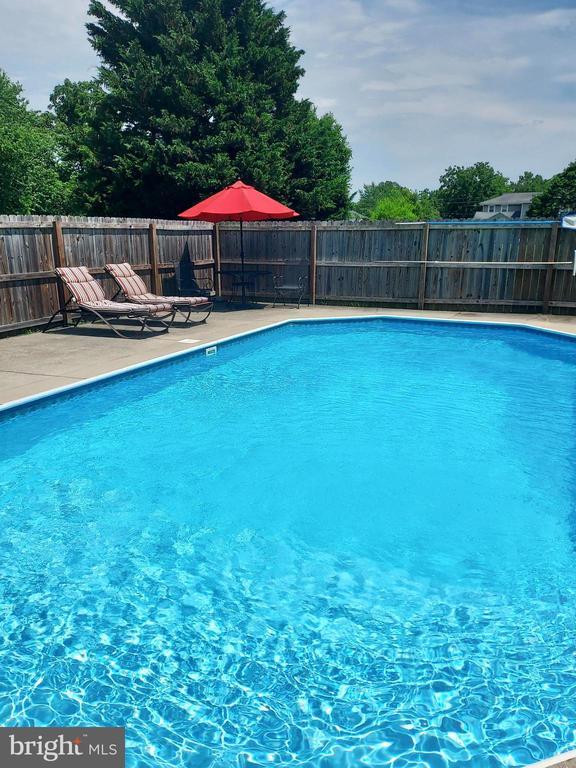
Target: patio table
(251, 277)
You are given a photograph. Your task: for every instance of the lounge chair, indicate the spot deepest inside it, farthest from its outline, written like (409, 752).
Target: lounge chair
(87, 301)
(134, 289)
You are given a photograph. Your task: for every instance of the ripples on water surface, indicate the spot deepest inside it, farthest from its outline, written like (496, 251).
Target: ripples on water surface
(332, 545)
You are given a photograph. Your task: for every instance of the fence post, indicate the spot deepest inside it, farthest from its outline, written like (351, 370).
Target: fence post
(423, 266)
(153, 251)
(313, 251)
(550, 269)
(216, 258)
(59, 256)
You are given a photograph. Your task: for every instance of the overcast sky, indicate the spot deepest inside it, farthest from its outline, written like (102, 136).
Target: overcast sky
(417, 84)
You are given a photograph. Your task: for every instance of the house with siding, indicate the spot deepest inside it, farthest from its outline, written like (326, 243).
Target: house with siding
(511, 205)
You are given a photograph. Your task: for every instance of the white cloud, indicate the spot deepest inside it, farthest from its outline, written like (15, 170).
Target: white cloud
(442, 85)
(555, 19)
(325, 104)
(406, 6)
(401, 82)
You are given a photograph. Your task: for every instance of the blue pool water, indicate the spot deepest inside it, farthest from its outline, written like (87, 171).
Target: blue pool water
(333, 544)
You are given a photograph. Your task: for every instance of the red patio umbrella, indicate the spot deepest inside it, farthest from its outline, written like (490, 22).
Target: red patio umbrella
(238, 202)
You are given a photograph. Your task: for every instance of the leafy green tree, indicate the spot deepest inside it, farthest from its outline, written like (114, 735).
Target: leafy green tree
(529, 182)
(192, 95)
(388, 200)
(75, 106)
(371, 194)
(396, 205)
(559, 196)
(427, 205)
(31, 181)
(463, 189)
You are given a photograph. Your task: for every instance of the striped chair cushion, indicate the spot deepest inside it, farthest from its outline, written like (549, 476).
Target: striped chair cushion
(126, 307)
(83, 287)
(117, 307)
(176, 301)
(128, 281)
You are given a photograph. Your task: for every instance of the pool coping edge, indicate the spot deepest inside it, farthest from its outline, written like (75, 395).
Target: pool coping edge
(556, 760)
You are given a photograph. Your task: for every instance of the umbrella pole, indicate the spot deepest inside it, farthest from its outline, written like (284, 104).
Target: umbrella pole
(242, 260)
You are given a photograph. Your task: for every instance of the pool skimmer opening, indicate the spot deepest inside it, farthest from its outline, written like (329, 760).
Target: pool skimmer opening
(210, 351)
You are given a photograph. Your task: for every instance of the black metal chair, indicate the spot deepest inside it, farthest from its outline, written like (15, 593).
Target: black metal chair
(284, 290)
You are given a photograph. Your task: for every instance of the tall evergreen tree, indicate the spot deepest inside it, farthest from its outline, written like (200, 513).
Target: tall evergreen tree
(195, 94)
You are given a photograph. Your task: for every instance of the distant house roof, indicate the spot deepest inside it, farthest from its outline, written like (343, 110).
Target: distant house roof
(487, 216)
(511, 198)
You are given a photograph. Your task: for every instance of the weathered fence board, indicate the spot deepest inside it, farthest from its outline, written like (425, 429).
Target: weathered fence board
(25, 250)
(525, 266)
(563, 293)
(352, 264)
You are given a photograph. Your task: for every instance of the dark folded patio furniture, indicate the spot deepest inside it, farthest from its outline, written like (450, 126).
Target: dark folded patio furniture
(190, 285)
(88, 302)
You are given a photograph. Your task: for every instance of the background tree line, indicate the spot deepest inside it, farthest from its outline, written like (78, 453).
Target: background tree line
(190, 96)
(460, 192)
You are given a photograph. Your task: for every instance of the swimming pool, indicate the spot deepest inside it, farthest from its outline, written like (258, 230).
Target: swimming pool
(330, 544)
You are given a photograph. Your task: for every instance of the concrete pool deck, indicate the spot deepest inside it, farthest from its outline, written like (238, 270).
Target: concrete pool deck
(32, 363)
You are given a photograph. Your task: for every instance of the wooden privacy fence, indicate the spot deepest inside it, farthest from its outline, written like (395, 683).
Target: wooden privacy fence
(525, 266)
